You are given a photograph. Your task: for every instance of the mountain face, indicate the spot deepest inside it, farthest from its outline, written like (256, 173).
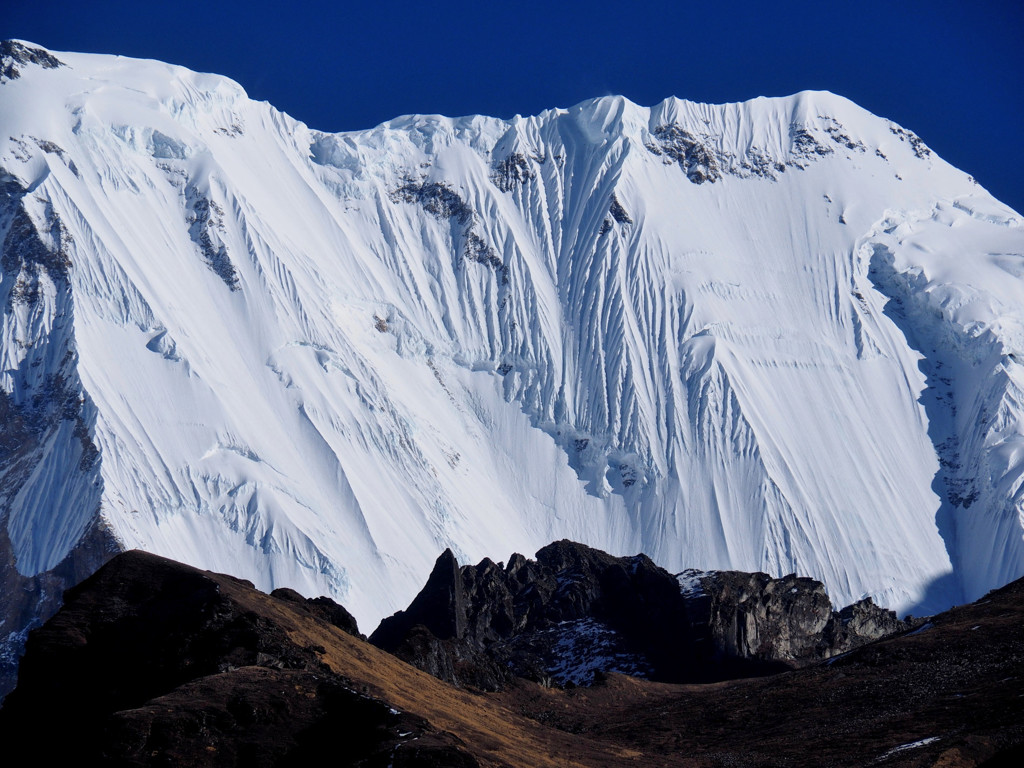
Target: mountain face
(776, 336)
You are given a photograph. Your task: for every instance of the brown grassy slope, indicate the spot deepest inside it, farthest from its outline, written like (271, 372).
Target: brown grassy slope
(492, 731)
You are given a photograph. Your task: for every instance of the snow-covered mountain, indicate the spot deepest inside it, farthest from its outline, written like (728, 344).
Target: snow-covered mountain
(780, 335)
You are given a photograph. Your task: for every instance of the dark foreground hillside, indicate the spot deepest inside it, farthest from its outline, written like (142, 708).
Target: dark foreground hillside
(155, 663)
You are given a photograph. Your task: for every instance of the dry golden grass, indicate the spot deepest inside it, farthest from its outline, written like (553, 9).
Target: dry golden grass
(488, 725)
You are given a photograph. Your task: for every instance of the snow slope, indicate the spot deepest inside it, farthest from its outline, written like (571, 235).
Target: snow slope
(780, 335)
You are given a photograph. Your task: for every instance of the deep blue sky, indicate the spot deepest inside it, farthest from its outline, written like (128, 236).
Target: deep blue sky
(953, 72)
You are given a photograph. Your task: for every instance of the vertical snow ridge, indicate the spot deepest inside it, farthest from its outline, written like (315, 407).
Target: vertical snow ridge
(975, 389)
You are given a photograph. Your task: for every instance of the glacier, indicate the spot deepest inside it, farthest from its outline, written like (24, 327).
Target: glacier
(779, 335)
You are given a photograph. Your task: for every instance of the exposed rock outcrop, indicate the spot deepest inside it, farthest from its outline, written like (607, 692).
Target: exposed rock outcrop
(577, 612)
(790, 620)
(205, 221)
(511, 172)
(13, 53)
(697, 159)
(322, 608)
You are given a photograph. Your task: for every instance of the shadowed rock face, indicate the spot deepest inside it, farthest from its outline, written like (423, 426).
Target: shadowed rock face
(151, 662)
(577, 612)
(753, 616)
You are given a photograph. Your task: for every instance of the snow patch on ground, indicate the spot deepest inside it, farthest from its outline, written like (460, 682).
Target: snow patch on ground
(576, 650)
(906, 747)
